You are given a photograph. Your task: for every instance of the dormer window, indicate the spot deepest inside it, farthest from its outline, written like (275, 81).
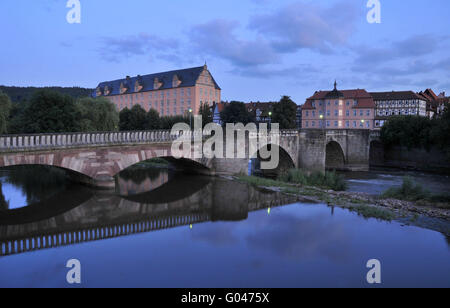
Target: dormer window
(107, 90)
(123, 88)
(157, 84)
(138, 86)
(99, 91)
(176, 81)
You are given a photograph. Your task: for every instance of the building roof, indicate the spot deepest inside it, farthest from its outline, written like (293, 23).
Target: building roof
(188, 78)
(395, 95)
(220, 107)
(363, 98)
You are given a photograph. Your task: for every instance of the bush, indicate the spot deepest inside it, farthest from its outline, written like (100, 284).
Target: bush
(409, 191)
(330, 180)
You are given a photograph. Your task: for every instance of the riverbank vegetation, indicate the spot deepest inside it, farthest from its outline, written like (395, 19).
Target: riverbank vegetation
(418, 132)
(411, 191)
(330, 180)
(325, 180)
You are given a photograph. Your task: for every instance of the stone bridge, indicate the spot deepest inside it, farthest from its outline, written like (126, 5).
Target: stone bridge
(95, 158)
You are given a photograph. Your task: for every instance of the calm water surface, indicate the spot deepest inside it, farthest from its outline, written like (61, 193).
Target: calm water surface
(204, 232)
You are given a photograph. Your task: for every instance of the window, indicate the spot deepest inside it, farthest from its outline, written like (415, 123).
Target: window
(348, 103)
(361, 113)
(314, 114)
(354, 123)
(328, 123)
(328, 113)
(347, 124)
(347, 113)
(335, 123)
(354, 113)
(307, 125)
(313, 123)
(307, 114)
(335, 113)
(368, 113)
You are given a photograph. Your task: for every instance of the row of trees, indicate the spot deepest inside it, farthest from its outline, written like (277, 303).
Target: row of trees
(418, 132)
(48, 111)
(284, 112)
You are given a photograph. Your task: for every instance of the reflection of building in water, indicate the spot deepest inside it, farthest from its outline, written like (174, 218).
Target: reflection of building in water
(107, 216)
(129, 186)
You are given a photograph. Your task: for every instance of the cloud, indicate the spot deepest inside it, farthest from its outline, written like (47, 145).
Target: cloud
(301, 71)
(217, 38)
(412, 47)
(118, 48)
(305, 25)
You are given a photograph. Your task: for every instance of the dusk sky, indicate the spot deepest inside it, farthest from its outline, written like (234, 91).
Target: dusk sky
(255, 49)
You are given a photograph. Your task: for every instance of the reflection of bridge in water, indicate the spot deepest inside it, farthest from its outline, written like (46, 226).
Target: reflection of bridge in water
(105, 215)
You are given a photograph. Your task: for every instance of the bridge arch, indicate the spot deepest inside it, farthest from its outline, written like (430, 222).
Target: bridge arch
(334, 156)
(286, 162)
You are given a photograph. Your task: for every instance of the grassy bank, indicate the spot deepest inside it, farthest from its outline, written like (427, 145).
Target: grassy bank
(327, 180)
(411, 191)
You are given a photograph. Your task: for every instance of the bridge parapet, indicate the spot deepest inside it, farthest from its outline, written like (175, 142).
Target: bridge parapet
(17, 143)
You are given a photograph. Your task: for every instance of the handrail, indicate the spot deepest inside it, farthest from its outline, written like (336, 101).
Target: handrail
(66, 140)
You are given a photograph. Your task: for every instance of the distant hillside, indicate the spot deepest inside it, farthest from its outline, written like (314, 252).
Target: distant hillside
(18, 94)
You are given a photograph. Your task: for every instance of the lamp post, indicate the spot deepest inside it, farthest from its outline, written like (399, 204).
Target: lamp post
(270, 120)
(362, 122)
(190, 118)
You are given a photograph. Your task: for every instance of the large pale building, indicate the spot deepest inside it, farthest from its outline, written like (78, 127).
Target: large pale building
(339, 109)
(170, 93)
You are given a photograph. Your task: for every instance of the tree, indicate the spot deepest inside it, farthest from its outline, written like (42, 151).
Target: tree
(50, 112)
(206, 113)
(168, 122)
(153, 121)
(285, 113)
(17, 117)
(125, 120)
(134, 119)
(5, 108)
(236, 112)
(97, 114)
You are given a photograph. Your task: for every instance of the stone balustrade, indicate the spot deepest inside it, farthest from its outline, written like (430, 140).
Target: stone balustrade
(17, 143)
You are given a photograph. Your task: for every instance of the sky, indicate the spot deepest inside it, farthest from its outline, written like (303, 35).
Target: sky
(257, 50)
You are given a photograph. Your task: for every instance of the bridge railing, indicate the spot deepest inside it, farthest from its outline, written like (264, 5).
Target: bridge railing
(28, 142)
(44, 141)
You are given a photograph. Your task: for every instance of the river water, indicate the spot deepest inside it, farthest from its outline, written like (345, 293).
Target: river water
(163, 229)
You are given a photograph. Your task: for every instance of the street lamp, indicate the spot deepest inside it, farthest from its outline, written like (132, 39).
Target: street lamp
(321, 120)
(190, 118)
(362, 122)
(270, 120)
